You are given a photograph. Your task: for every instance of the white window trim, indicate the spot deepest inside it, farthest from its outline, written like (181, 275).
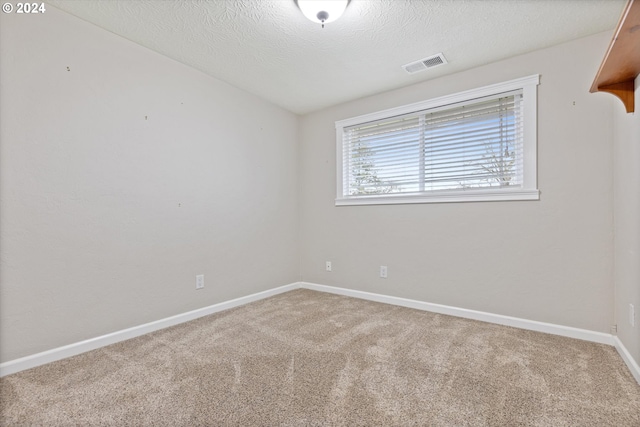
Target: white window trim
(529, 190)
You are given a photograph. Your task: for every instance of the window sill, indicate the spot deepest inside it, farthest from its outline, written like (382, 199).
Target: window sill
(442, 197)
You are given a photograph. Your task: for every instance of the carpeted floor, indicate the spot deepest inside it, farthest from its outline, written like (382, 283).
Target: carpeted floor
(307, 358)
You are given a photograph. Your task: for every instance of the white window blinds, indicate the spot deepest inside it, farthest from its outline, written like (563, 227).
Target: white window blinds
(475, 144)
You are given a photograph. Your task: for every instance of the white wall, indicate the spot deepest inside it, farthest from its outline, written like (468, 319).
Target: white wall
(128, 174)
(124, 177)
(627, 222)
(549, 260)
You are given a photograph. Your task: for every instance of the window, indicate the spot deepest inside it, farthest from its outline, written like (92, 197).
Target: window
(475, 145)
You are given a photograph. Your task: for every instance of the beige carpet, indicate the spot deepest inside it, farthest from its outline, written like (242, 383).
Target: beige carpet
(307, 358)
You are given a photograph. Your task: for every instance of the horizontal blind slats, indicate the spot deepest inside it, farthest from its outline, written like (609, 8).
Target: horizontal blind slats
(473, 145)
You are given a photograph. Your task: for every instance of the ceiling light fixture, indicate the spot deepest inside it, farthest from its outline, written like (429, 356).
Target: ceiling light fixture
(322, 11)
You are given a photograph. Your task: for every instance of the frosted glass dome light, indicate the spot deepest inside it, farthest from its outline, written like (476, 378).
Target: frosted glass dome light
(322, 11)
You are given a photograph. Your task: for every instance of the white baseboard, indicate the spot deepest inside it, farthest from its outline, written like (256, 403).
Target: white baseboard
(59, 353)
(17, 365)
(626, 356)
(532, 325)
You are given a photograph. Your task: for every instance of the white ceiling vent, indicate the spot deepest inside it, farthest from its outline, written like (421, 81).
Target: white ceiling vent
(423, 64)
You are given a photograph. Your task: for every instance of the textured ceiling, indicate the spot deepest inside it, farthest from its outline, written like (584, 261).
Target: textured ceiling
(267, 47)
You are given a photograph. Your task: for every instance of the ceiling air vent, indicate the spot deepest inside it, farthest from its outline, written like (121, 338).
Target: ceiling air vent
(423, 64)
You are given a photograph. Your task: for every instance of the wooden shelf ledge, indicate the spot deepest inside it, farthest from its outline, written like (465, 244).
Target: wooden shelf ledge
(621, 64)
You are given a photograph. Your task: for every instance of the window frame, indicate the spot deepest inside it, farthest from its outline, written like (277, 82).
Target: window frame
(528, 190)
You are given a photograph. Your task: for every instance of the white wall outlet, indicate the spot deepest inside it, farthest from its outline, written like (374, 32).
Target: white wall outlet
(200, 281)
(327, 266)
(383, 271)
(632, 315)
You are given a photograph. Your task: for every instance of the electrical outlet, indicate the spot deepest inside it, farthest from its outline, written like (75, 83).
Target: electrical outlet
(200, 281)
(632, 315)
(327, 266)
(383, 271)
